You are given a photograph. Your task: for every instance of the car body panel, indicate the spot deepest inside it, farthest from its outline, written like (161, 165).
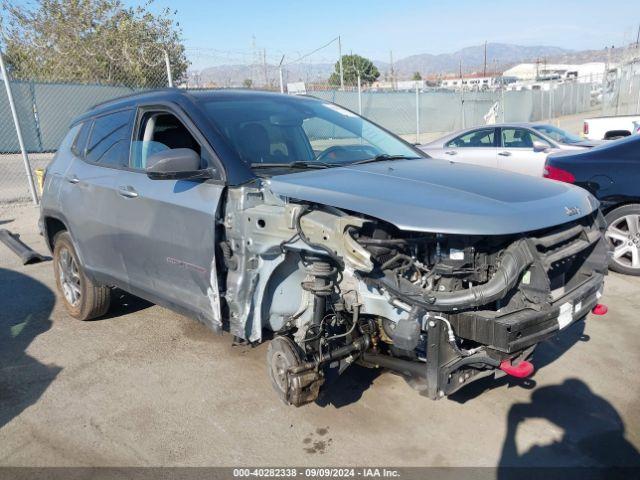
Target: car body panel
(91, 222)
(439, 196)
(165, 238)
(611, 172)
(519, 160)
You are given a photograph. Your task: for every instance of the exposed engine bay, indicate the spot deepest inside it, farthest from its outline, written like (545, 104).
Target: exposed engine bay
(337, 287)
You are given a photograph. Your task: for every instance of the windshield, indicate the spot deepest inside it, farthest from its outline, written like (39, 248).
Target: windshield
(300, 133)
(558, 134)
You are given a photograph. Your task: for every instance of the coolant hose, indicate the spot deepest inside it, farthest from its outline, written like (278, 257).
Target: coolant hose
(515, 259)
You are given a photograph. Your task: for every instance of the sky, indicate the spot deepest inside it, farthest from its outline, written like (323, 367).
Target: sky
(374, 28)
(221, 31)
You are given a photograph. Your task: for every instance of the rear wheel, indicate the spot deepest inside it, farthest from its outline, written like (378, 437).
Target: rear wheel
(623, 235)
(82, 298)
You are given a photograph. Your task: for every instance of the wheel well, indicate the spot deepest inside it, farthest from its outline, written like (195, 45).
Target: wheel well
(605, 211)
(52, 227)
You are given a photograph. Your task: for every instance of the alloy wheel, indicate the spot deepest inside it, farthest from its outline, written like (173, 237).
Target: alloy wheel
(69, 277)
(623, 235)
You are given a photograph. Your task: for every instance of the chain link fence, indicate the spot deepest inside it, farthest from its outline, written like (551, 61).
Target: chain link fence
(421, 114)
(43, 109)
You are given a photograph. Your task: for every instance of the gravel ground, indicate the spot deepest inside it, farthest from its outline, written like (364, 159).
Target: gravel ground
(148, 387)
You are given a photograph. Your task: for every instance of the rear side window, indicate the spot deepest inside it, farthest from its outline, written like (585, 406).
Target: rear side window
(109, 140)
(80, 141)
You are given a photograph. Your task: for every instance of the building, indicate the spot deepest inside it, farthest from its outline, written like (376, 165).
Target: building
(584, 73)
(472, 82)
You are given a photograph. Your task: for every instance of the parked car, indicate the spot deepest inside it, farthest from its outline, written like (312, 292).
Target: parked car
(563, 138)
(610, 127)
(518, 147)
(256, 212)
(611, 173)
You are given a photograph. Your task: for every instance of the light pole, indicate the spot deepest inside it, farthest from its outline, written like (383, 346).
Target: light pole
(280, 74)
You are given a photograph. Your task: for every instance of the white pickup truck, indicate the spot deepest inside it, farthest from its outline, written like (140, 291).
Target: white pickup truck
(610, 127)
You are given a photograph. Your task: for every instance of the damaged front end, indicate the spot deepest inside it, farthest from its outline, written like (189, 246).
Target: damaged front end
(337, 287)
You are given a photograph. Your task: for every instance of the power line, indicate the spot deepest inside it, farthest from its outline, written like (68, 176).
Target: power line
(312, 52)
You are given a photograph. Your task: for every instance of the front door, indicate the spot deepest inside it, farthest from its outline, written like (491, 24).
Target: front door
(167, 227)
(477, 147)
(516, 152)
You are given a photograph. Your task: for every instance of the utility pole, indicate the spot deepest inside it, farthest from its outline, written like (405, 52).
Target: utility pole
(167, 64)
(280, 74)
(605, 78)
(417, 111)
(254, 61)
(264, 66)
(391, 72)
(484, 71)
(340, 60)
(462, 96)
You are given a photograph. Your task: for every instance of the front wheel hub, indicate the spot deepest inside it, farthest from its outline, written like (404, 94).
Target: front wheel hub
(283, 355)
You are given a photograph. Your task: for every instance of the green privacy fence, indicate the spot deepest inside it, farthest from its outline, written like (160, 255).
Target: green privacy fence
(410, 112)
(45, 111)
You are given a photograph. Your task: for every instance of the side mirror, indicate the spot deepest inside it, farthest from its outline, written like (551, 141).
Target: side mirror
(539, 146)
(176, 164)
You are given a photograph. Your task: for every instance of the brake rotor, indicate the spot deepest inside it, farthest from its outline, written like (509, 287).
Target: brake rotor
(293, 389)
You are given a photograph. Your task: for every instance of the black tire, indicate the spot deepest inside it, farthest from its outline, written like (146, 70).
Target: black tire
(82, 298)
(624, 237)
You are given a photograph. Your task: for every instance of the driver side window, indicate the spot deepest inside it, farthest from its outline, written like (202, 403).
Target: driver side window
(475, 139)
(160, 131)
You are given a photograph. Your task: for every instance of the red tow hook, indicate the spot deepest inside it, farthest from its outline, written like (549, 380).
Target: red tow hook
(600, 309)
(523, 369)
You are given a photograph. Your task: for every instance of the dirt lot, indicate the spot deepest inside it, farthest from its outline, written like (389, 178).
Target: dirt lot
(146, 386)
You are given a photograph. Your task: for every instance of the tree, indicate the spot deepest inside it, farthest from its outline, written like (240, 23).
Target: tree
(92, 41)
(416, 76)
(247, 83)
(352, 65)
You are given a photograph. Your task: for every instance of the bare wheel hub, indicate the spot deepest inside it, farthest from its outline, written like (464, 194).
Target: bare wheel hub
(294, 389)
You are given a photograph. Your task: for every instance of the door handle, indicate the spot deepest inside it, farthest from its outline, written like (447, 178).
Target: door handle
(505, 154)
(451, 152)
(127, 191)
(72, 178)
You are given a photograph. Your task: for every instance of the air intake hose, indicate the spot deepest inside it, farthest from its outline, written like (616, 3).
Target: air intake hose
(515, 259)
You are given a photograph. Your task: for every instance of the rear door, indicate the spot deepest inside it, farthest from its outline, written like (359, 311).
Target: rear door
(87, 193)
(167, 227)
(477, 147)
(516, 152)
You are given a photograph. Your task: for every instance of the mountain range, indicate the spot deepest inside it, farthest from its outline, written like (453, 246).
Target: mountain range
(499, 56)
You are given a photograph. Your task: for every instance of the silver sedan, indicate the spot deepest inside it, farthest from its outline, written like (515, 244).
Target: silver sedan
(518, 147)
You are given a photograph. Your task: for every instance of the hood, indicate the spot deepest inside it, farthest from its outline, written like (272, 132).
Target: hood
(589, 143)
(431, 195)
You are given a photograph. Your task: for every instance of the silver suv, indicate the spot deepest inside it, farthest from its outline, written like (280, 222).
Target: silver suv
(293, 218)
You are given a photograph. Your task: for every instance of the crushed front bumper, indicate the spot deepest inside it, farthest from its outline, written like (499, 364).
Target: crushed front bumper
(519, 330)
